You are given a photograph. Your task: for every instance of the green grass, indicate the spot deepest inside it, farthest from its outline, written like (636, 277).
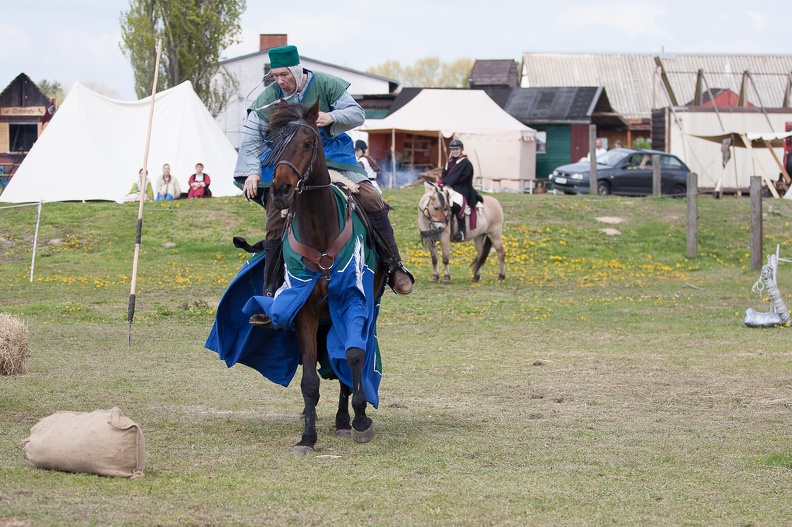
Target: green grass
(608, 380)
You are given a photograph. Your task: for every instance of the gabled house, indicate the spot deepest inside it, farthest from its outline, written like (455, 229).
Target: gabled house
(561, 118)
(639, 83)
(720, 97)
(494, 74)
(373, 93)
(24, 112)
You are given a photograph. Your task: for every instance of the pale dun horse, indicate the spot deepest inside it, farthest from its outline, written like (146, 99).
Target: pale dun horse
(435, 223)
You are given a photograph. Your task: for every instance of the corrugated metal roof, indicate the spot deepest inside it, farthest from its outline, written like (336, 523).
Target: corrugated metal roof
(634, 87)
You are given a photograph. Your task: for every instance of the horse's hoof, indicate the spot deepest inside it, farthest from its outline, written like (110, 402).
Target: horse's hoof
(346, 433)
(434, 280)
(446, 281)
(365, 436)
(475, 279)
(501, 278)
(302, 450)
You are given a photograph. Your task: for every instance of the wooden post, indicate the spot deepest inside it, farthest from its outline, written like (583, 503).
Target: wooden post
(593, 159)
(756, 223)
(656, 190)
(692, 215)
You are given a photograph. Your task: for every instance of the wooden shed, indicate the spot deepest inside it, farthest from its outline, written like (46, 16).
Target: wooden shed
(24, 111)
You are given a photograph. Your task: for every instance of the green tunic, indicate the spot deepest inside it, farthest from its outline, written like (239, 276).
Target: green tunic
(328, 89)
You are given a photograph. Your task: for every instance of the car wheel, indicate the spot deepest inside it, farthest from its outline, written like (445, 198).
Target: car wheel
(603, 188)
(678, 191)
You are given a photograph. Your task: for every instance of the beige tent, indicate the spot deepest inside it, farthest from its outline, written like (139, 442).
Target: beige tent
(501, 148)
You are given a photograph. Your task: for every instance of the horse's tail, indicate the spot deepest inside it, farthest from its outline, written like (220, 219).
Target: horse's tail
(478, 261)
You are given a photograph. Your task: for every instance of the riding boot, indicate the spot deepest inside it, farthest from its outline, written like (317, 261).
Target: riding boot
(460, 234)
(272, 263)
(399, 278)
(273, 266)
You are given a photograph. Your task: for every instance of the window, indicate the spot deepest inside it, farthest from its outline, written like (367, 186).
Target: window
(670, 163)
(22, 137)
(541, 142)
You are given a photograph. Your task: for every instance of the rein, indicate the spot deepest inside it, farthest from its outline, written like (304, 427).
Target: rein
(301, 186)
(321, 262)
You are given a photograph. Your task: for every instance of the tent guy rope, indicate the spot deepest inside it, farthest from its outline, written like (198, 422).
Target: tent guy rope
(142, 189)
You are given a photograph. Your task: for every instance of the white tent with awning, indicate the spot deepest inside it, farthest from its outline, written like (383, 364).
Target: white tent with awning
(94, 146)
(500, 147)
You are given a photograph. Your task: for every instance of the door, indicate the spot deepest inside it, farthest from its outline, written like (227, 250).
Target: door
(635, 177)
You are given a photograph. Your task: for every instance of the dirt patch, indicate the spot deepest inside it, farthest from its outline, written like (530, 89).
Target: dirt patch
(610, 219)
(611, 232)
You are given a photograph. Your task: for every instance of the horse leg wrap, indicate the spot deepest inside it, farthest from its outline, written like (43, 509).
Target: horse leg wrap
(273, 265)
(388, 251)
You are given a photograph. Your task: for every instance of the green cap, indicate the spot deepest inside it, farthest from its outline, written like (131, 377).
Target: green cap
(284, 57)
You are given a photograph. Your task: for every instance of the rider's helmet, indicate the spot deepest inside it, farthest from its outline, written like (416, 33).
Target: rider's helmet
(456, 143)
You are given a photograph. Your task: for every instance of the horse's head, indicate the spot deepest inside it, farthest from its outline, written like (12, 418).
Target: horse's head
(296, 150)
(435, 209)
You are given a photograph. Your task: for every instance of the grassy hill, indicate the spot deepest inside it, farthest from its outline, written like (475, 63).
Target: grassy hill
(609, 379)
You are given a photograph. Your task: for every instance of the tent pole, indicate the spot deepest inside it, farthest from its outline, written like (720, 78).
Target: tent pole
(393, 157)
(778, 161)
(142, 188)
(767, 179)
(35, 239)
(439, 149)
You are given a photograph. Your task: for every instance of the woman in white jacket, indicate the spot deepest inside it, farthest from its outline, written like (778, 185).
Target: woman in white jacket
(167, 185)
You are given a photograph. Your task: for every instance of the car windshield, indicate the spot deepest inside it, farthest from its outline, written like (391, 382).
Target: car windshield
(612, 157)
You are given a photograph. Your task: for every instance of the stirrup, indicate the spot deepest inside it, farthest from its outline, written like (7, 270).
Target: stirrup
(392, 268)
(261, 320)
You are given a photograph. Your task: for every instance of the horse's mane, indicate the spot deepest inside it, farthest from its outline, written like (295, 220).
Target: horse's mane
(281, 129)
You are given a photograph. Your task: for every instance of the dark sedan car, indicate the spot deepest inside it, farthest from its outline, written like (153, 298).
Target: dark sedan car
(624, 171)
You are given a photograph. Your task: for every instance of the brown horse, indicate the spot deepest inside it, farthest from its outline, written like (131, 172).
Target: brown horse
(435, 223)
(302, 184)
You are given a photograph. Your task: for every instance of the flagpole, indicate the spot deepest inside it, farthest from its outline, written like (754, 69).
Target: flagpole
(142, 190)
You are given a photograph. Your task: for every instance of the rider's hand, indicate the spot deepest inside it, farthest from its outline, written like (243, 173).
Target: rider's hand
(324, 119)
(251, 185)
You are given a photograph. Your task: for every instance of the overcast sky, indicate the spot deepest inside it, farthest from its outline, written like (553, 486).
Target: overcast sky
(78, 40)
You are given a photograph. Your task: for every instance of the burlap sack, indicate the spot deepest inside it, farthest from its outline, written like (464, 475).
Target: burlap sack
(102, 442)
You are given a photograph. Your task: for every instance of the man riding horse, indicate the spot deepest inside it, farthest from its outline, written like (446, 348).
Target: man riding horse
(458, 174)
(338, 113)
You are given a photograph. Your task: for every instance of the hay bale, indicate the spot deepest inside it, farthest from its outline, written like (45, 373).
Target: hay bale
(14, 349)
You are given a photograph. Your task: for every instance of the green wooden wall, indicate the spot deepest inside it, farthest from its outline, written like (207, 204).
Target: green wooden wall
(559, 143)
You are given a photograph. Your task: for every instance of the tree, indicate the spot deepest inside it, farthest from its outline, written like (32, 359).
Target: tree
(52, 90)
(427, 73)
(390, 69)
(193, 33)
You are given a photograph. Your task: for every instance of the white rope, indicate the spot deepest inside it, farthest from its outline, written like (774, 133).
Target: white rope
(766, 281)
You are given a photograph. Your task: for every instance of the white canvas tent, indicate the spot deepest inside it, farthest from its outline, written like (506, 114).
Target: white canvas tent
(750, 141)
(500, 147)
(94, 146)
(687, 133)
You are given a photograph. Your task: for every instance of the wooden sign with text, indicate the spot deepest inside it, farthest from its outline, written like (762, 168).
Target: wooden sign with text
(23, 111)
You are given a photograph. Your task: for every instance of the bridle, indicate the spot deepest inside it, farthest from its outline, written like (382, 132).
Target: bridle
(303, 176)
(446, 212)
(321, 262)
